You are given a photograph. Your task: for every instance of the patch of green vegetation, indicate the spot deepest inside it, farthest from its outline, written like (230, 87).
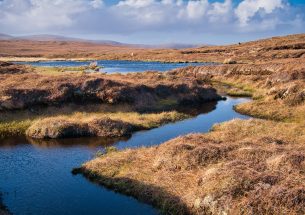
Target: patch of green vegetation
(168, 102)
(233, 89)
(239, 93)
(14, 128)
(107, 150)
(58, 70)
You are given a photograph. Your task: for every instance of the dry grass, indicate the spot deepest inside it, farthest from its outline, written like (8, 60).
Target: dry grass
(50, 86)
(239, 168)
(12, 124)
(257, 51)
(14, 128)
(273, 110)
(59, 70)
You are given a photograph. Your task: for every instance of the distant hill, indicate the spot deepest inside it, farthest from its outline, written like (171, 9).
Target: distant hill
(5, 37)
(50, 37)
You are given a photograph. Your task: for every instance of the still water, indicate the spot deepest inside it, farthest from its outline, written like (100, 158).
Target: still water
(35, 176)
(121, 66)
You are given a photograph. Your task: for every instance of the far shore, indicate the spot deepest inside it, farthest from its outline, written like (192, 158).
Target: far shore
(43, 59)
(37, 59)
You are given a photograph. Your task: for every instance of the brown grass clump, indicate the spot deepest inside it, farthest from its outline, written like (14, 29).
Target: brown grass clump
(10, 68)
(142, 90)
(55, 128)
(98, 124)
(241, 167)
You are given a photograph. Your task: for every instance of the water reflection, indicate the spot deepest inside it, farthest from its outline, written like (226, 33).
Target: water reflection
(36, 174)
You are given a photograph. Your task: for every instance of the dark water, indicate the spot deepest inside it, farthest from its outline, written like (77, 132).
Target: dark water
(118, 65)
(36, 175)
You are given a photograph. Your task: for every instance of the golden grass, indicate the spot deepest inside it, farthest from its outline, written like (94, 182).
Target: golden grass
(58, 70)
(16, 123)
(14, 128)
(149, 120)
(240, 167)
(273, 110)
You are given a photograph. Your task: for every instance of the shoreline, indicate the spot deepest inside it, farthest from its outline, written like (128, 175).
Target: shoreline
(42, 59)
(258, 146)
(253, 166)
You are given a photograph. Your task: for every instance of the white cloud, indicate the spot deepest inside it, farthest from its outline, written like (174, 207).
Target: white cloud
(248, 8)
(196, 9)
(97, 3)
(136, 3)
(220, 12)
(39, 14)
(147, 17)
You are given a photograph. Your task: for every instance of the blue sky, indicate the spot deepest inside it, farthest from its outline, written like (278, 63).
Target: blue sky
(155, 21)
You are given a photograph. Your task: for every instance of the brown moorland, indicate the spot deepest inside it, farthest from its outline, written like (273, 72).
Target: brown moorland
(29, 89)
(241, 167)
(276, 48)
(30, 94)
(252, 166)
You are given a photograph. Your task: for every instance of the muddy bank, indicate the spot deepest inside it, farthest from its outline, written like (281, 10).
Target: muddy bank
(145, 90)
(258, 169)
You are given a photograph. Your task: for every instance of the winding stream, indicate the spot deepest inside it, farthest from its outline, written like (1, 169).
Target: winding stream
(35, 177)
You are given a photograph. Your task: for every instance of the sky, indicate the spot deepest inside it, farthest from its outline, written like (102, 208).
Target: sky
(155, 21)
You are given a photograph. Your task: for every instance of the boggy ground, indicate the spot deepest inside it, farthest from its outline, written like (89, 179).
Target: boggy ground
(254, 166)
(54, 103)
(241, 167)
(142, 90)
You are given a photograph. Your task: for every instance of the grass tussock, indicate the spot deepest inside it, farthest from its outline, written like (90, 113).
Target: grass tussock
(148, 120)
(241, 167)
(273, 110)
(99, 124)
(14, 123)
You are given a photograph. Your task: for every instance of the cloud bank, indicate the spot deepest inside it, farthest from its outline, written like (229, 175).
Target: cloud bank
(143, 17)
